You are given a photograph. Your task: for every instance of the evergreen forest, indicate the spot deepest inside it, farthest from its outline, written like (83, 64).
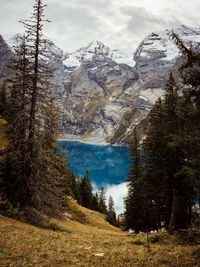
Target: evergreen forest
(163, 178)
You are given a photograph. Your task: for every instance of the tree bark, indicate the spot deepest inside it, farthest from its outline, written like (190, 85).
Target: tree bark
(179, 214)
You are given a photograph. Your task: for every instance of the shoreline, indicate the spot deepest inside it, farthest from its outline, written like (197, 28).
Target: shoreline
(89, 141)
(82, 140)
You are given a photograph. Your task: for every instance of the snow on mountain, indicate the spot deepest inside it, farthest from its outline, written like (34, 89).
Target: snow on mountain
(121, 58)
(98, 51)
(160, 44)
(157, 45)
(189, 34)
(103, 93)
(54, 52)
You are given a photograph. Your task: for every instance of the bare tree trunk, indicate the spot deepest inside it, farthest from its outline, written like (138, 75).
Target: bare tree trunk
(179, 214)
(31, 136)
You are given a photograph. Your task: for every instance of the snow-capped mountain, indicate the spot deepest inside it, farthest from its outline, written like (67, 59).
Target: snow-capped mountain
(157, 55)
(161, 44)
(96, 51)
(103, 93)
(107, 93)
(89, 87)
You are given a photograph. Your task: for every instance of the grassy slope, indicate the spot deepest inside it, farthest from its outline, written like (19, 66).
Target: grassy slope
(91, 243)
(87, 241)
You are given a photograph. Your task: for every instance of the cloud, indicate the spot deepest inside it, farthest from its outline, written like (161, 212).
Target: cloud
(118, 193)
(11, 12)
(141, 21)
(118, 24)
(72, 26)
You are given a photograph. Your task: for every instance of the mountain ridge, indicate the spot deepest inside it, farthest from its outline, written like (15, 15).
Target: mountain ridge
(155, 57)
(103, 94)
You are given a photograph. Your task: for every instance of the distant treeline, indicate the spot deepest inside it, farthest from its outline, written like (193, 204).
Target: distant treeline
(82, 191)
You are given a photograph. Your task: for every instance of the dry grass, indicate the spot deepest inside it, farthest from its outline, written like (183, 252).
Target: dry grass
(3, 139)
(91, 243)
(89, 240)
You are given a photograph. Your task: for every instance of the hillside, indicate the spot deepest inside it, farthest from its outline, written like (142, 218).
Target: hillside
(90, 241)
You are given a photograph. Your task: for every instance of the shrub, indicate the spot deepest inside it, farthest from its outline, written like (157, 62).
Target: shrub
(7, 209)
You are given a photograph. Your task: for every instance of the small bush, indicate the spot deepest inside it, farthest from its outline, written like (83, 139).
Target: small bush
(196, 254)
(139, 240)
(186, 239)
(157, 238)
(55, 227)
(36, 218)
(33, 216)
(7, 209)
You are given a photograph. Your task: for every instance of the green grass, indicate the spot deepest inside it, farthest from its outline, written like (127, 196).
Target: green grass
(91, 241)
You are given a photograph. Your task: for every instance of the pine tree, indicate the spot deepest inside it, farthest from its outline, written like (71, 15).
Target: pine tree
(86, 191)
(163, 158)
(173, 126)
(34, 124)
(95, 202)
(187, 139)
(16, 114)
(39, 75)
(138, 213)
(169, 189)
(163, 190)
(134, 155)
(111, 216)
(102, 200)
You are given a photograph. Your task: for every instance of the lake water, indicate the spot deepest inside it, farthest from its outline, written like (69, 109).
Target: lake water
(107, 165)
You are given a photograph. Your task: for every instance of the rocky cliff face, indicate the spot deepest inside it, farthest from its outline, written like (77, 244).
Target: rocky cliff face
(91, 89)
(102, 93)
(156, 56)
(105, 94)
(5, 55)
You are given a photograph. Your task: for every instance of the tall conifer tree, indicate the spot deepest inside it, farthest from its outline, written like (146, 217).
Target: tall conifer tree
(37, 170)
(138, 209)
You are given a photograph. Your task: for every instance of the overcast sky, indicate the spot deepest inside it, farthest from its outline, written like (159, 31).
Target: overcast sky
(118, 24)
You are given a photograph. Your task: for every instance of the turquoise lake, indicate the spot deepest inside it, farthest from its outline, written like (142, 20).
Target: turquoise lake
(107, 165)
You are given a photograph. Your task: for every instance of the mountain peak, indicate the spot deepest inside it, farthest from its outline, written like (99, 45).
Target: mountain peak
(159, 45)
(96, 43)
(96, 50)
(87, 53)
